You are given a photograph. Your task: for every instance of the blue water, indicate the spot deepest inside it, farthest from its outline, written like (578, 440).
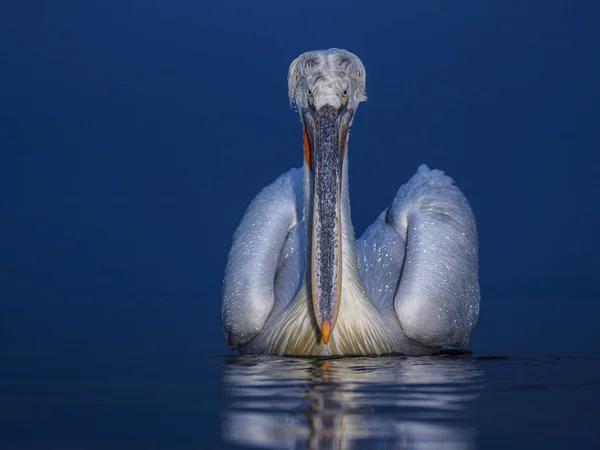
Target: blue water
(448, 401)
(134, 133)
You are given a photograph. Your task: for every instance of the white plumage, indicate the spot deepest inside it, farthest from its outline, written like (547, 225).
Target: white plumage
(409, 285)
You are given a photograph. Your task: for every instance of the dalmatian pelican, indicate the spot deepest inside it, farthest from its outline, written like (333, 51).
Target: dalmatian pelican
(297, 282)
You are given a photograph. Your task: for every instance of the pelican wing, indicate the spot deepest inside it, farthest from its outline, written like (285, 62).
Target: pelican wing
(252, 283)
(421, 257)
(380, 254)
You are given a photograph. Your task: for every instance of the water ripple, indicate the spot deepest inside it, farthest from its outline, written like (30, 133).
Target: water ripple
(389, 402)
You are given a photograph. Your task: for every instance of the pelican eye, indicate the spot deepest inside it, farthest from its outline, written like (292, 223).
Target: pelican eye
(310, 97)
(344, 97)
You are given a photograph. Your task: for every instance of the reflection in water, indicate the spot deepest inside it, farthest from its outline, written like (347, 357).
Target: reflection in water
(382, 402)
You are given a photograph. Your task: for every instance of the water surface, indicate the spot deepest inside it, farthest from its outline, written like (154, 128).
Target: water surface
(169, 399)
(448, 402)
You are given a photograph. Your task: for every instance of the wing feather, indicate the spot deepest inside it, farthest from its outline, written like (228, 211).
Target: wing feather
(249, 283)
(437, 302)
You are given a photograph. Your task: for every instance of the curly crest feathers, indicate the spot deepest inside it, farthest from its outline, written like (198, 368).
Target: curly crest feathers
(327, 74)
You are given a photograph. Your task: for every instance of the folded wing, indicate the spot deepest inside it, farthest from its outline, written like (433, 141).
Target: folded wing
(256, 257)
(428, 243)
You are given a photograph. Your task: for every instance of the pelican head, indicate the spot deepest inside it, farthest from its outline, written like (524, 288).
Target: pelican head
(327, 87)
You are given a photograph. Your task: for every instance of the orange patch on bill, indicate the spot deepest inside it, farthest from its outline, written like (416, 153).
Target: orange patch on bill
(307, 152)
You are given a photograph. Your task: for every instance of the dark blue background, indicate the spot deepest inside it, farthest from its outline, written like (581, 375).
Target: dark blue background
(133, 134)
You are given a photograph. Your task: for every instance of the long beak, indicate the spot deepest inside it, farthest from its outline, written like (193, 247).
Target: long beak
(327, 131)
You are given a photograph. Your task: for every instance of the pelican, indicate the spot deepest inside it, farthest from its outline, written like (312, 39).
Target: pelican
(297, 282)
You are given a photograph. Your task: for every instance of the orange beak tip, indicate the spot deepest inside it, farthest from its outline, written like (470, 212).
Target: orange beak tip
(326, 332)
